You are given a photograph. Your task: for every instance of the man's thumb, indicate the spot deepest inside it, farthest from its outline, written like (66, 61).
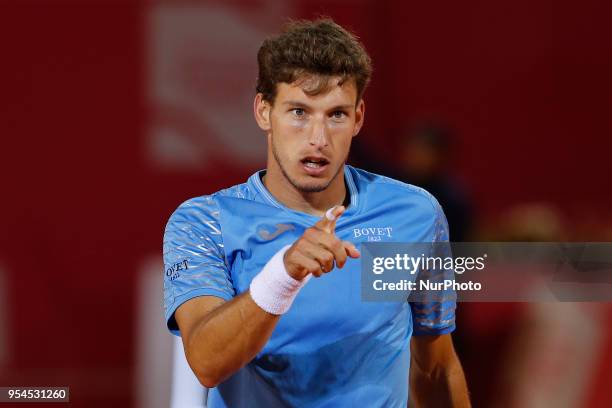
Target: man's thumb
(328, 222)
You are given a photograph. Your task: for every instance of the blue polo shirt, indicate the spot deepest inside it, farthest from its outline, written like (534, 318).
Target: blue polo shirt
(331, 349)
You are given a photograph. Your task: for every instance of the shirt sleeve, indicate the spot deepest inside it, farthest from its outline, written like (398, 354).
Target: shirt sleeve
(194, 259)
(434, 311)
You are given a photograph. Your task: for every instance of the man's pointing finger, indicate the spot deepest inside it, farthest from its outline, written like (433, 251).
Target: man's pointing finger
(328, 222)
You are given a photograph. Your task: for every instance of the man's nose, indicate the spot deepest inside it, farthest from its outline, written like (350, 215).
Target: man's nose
(318, 135)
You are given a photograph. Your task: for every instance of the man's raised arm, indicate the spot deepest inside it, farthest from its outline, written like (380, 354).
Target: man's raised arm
(221, 337)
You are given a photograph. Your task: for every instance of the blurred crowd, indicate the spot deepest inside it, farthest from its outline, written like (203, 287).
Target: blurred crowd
(516, 355)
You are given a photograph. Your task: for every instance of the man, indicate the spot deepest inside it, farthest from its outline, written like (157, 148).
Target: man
(238, 290)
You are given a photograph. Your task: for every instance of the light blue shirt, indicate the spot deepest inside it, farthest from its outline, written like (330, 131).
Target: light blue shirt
(331, 349)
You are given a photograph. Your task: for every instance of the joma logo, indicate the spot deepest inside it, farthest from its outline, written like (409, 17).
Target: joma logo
(280, 228)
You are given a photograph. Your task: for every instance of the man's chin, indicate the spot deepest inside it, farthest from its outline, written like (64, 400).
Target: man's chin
(307, 183)
(312, 186)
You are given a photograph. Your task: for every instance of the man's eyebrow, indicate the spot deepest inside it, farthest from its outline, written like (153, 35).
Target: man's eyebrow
(343, 107)
(303, 105)
(296, 103)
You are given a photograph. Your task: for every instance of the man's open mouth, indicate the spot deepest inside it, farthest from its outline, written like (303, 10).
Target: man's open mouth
(314, 162)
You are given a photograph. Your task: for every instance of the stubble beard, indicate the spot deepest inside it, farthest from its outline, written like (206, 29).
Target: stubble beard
(303, 188)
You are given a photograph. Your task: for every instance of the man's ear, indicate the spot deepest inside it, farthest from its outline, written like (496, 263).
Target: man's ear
(261, 110)
(359, 115)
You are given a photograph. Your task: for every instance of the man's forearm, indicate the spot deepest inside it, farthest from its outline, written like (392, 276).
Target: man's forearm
(228, 338)
(442, 386)
(229, 335)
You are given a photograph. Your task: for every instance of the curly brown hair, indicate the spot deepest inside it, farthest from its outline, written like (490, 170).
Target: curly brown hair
(312, 53)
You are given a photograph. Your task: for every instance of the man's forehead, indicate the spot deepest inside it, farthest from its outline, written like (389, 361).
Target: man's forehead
(318, 88)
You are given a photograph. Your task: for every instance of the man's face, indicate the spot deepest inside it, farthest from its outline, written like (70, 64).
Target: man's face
(310, 136)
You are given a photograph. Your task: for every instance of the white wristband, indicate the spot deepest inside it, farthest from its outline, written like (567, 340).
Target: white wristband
(273, 289)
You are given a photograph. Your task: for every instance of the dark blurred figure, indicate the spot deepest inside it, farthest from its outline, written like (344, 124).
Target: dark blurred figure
(424, 158)
(424, 154)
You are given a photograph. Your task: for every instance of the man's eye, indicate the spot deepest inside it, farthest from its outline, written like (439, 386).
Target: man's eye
(298, 112)
(338, 114)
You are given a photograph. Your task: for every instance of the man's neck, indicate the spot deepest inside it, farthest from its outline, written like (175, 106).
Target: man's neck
(310, 203)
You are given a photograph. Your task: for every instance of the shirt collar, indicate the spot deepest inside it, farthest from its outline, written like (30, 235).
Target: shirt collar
(255, 181)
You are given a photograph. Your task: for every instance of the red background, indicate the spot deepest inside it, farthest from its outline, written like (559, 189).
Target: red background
(526, 84)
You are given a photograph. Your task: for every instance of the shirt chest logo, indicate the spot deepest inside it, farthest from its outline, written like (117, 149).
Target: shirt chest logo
(278, 230)
(373, 233)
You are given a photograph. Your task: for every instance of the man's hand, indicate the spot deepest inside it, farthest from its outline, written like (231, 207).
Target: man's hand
(318, 249)
(436, 377)
(221, 337)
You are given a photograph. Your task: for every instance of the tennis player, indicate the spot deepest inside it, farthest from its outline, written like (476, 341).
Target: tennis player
(262, 279)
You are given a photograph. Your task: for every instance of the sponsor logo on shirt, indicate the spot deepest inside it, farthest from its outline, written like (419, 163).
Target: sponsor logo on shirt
(373, 233)
(173, 271)
(280, 228)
